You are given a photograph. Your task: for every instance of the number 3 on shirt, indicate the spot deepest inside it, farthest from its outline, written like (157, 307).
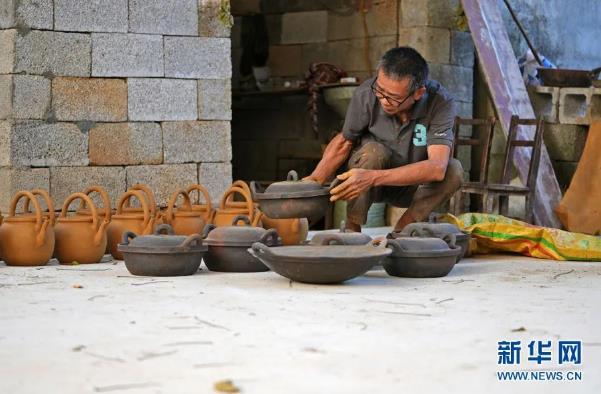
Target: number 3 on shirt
(419, 135)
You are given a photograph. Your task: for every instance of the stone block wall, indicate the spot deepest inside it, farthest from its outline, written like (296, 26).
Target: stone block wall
(113, 93)
(569, 112)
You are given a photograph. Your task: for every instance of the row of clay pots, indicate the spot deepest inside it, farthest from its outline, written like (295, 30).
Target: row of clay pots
(185, 219)
(33, 237)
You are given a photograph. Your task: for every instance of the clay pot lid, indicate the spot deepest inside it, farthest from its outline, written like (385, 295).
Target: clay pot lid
(431, 229)
(292, 186)
(343, 237)
(423, 247)
(239, 235)
(163, 237)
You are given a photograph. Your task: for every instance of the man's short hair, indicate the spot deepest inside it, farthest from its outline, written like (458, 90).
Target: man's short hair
(405, 62)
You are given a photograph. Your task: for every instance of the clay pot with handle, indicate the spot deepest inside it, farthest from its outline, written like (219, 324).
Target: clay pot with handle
(85, 210)
(149, 195)
(183, 219)
(225, 214)
(80, 239)
(292, 231)
(105, 213)
(141, 221)
(50, 213)
(206, 209)
(26, 240)
(230, 203)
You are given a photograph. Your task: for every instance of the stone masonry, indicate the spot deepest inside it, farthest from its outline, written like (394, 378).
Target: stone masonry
(113, 93)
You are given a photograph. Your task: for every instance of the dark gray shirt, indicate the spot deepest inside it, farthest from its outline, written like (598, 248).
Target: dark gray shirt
(431, 122)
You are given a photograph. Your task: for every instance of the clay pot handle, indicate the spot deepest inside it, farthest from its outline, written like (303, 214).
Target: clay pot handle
(149, 195)
(87, 200)
(292, 176)
(270, 237)
(257, 219)
(202, 190)
(126, 237)
(230, 192)
(140, 196)
(329, 238)
(164, 229)
(393, 235)
(171, 205)
(193, 238)
(411, 227)
(36, 206)
(253, 190)
(106, 202)
(207, 229)
(49, 203)
(451, 240)
(395, 247)
(244, 218)
(421, 232)
(259, 247)
(242, 185)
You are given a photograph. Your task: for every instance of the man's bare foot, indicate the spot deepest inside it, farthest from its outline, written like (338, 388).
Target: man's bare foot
(352, 226)
(404, 220)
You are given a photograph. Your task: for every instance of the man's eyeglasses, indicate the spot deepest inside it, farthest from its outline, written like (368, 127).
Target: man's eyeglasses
(391, 101)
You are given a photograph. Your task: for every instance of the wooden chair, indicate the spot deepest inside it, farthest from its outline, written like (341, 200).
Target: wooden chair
(486, 127)
(503, 190)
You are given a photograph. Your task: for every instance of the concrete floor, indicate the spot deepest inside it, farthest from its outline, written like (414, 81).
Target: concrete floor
(88, 329)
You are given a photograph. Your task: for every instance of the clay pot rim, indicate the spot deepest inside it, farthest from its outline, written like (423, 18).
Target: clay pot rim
(236, 211)
(75, 218)
(129, 215)
(24, 218)
(187, 214)
(101, 212)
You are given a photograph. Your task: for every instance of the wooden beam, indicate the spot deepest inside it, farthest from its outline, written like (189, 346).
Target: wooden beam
(510, 97)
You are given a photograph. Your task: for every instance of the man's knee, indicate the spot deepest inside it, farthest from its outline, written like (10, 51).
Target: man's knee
(454, 175)
(372, 155)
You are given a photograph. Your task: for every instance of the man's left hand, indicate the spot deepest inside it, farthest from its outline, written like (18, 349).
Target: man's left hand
(356, 181)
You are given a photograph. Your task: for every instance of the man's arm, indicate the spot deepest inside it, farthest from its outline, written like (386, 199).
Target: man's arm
(357, 180)
(335, 154)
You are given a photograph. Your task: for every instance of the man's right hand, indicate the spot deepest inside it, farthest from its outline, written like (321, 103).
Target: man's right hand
(336, 153)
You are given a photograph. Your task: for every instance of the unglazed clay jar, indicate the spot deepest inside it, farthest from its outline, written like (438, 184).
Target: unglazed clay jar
(26, 240)
(140, 221)
(183, 219)
(80, 239)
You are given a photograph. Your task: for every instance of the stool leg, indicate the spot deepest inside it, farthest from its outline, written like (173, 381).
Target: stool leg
(488, 202)
(457, 202)
(529, 209)
(504, 205)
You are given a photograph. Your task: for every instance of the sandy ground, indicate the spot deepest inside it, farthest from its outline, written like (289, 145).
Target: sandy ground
(96, 328)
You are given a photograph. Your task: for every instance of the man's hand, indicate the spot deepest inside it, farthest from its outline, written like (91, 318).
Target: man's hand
(356, 181)
(314, 179)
